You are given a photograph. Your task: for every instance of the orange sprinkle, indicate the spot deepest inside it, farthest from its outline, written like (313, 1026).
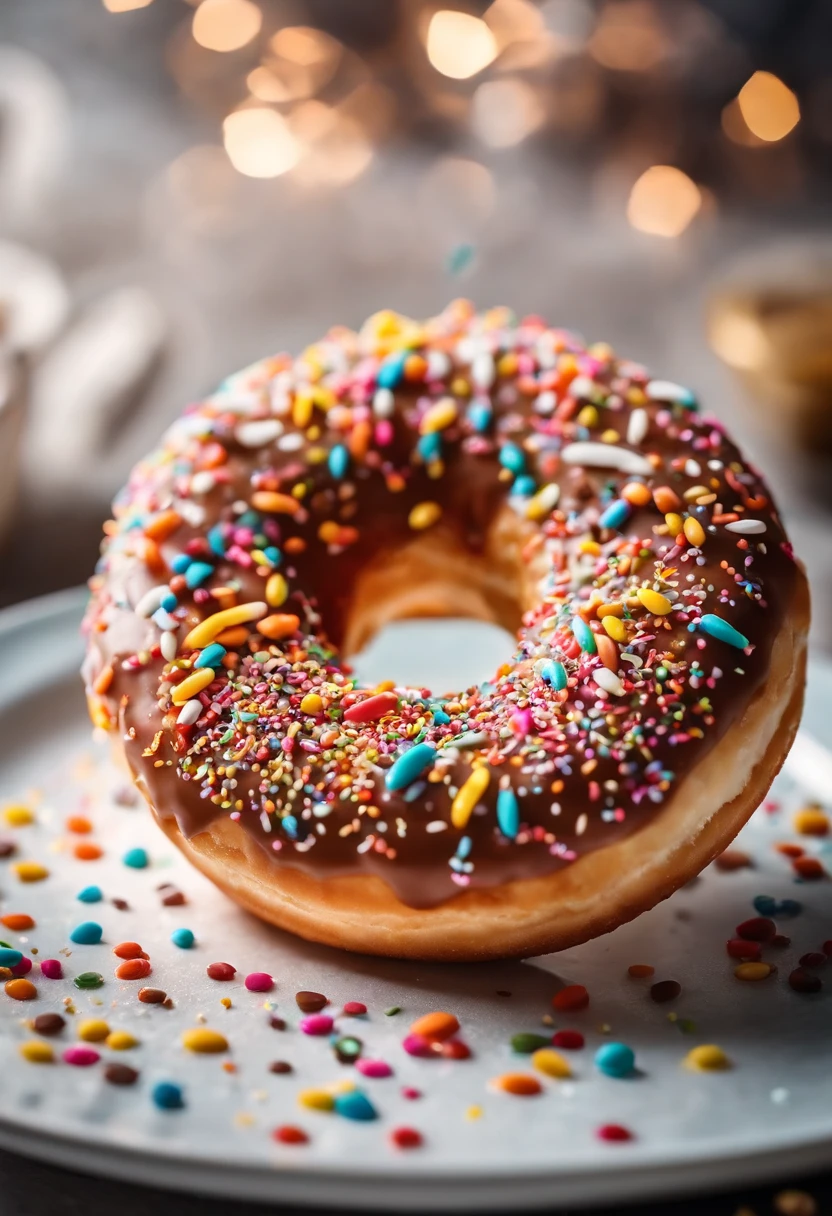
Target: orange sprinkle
(152, 557)
(281, 625)
(104, 680)
(17, 921)
(78, 824)
(571, 998)
(811, 821)
(790, 850)
(518, 1083)
(636, 493)
(809, 868)
(273, 503)
(438, 1026)
(87, 850)
(21, 990)
(607, 651)
(640, 971)
(235, 636)
(163, 525)
(128, 950)
(133, 969)
(666, 499)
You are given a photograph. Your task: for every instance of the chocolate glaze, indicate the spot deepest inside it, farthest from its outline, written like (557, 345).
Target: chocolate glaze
(472, 490)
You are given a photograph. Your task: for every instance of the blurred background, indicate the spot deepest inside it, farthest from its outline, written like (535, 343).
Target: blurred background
(186, 185)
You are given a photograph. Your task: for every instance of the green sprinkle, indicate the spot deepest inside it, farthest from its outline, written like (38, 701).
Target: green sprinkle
(392, 1011)
(88, 979)
(524, 1044)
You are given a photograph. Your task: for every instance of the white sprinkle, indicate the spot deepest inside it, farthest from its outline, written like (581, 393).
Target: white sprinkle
(383, 403)
(471, 738)
(439, 364)
(203, 482)
(151, 600)
(582, 386)
(544, 403)
(189, 712)
(483, 371)
(436, 825)
(167, 645)
(164, 620)
(637, 426)
(666, 390)
(693, 468)
(746, 527)
(609, 681)
(291, 443)
(607, 456)
(258, 433)
(191, 512)
(580, 825)
(634, 659)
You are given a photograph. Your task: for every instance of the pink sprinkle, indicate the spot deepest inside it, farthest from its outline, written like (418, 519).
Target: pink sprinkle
(410, 1093)
(417, 1045)
(23, 967)
(614, 1131)
(374, 1068)
(259, 981)
(51, 968)
(316, 1023)
(82, 1057)
(354, 1009)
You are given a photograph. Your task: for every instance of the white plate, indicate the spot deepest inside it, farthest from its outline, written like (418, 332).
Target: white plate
(770, 1114)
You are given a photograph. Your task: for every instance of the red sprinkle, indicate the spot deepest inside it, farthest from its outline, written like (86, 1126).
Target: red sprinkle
(804, 981)
(809, 868)
(455, 1049)
(23, 967)
(354, 1009)
(406, 1137)
(569, 1040)
(289, 1134)
(757, 929)
(221, 971)
(372, 708)
(571, 998)
(410, 1093)
(813, 960)
(614, 1132)
(738, 948)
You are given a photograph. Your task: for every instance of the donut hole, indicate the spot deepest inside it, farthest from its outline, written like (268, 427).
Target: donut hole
(443, 654)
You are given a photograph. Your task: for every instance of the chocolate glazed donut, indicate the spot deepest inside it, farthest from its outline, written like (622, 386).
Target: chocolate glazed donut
(473, 465)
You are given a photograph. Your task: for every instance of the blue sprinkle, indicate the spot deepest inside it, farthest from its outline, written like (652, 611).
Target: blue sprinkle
(88, 933)
(440, 717)
(248, 519)
(169, 602)
(508, 813)
(90, 895)
(429, 446)
(722, 631)
(217, 541)
(290, 824)
(355, 1105)
(616, 514)
(211, 656)
(554, 673)
(392, 370)
(789, 907)
(197, 573)
(273, 554)
(479, 415)
(464, 847)
(136, 859)
(414, 791)
(615, 1060)
(339, 461)
(164, 620)
(167, 1095)
(180, 563)
(511, 457)
(460, 257)
(410, 765)
(583, 634)
(9, 957)
(525, 486)
(183, 938)
(765, 904)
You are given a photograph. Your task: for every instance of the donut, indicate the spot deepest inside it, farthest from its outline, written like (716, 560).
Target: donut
(473, 465)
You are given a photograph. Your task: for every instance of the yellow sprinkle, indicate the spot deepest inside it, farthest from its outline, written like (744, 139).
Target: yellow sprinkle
(469, 795)
(544, 502)
(192, 685)
(474, 1112)
(551, 1063)
(675, 523)
(18, 816)
(225, 1001)
(610, 436)
(460, 386)
(302, 410)
(590, 546)
(440, 415)
(694, 532)
(207, 630)
(694, 492)
(93, 1030)
(588, 416)
(753, 971)
(121, 1040)
(276, 590)
(424, 515)
(204, 1041)
(811, 821)
(37, 1052)
(30, 871)
(316, 1099)
(615, 627)
(707, 1058)
(311, 703)
(654, 602)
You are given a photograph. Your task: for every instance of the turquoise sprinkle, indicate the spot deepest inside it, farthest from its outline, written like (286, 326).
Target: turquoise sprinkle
(90, 895)
(339, 461)
(616, 514)
(615, 1060)
(183, 938)
(460, 257)
(197, 573)
(290, 824)
(508, 813)
(167, 1095)
(392, 370)
(440, 717)
(583, 634)
(524, 486)
(169, 602)
(554, 673)
(410, 765)
(211, 656)
(479, 415)
(355, 1105)
(217, 541)
(511, 457)
(273, 554)
(429, 446)
(9, 957)
(88, 933)
(180, 563)
(136, 859)
(722, 631)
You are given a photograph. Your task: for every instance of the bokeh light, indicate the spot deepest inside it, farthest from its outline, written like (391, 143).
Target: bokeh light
(259, 142)
(459, 45)
(769, 107)
(226, 25)
(628, 38)
(663, 201)
(505, 112)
